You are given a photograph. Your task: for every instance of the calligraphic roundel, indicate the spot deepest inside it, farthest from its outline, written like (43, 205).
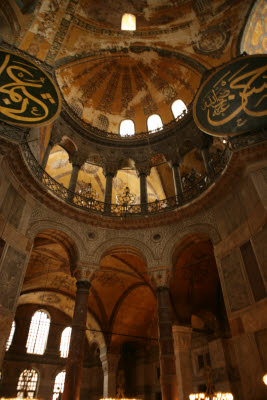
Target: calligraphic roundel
(233, 100)
(28, 96)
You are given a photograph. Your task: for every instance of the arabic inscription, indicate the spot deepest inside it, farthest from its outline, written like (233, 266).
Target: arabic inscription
(28, 97)
(234, 99)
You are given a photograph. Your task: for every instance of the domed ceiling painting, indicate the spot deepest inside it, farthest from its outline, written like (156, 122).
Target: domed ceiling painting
(105, 90)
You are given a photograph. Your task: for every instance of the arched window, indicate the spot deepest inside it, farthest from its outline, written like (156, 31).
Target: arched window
(10, 338)
(154, 123)
(127, 128)
(38, 333)
(27, 384)
(65, 342)
(178, 107)
(128, 22)
(59, 385)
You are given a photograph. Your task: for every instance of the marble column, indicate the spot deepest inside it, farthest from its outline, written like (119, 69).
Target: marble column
(108, 191)
(73, 181)
(46, 154)
(143, 192)
(110, 366)
(206, 159)
(178, 187)
(76, 350)
(182, 347)
(168, 378)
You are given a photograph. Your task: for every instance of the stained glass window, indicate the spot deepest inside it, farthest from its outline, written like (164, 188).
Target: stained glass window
(10, 338)
(27, 384)
(59, 385)
(127, 128)
(178, 107)
(128, 22)
(65, 342)
(38, 333)
(154, 123)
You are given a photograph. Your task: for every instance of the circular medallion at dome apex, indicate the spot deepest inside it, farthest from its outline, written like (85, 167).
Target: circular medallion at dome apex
(105, 90)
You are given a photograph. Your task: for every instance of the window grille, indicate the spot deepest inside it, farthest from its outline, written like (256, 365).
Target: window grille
(65, 342)
(38, 333)
(11, 335)
(154, 123)
(178, 107)
(127, 128)
(27, 384)
(59, 385)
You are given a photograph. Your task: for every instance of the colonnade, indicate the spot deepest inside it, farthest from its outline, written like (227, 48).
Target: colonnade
(168, 358)
(143, 171)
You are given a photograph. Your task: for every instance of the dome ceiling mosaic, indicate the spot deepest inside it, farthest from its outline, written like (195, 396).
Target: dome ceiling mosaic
(105, 90)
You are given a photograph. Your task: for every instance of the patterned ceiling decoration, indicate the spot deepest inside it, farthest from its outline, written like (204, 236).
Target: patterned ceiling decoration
(126, 86)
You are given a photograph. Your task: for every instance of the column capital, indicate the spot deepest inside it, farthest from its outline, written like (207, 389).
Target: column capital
(83, 274)
(110, 169)
(76, 159)
(160, 277)
(142, 168)
(182, 336)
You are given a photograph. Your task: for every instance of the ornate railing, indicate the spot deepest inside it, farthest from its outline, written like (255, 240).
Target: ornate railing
(117, 210)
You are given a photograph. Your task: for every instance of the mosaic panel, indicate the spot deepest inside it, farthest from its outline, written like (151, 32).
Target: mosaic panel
(149, 106)
(107, 99)
(93, 84)
(160, 84)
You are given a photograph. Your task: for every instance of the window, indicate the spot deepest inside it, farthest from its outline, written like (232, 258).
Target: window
(154, 123)
(10, 338)
(27, 384)
(59, 385)
(65, 342)
(38, 333)
(127, 128)
(178, 107)
(128, 22)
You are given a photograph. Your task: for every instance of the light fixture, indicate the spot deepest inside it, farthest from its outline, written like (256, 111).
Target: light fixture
(89, 193)
(210, 393)
(265, 379)
(125, 198)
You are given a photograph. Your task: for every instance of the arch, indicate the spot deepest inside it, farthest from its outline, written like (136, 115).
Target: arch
(118, 244)
(65, 303)
(128, 22)
(154, 123)
(127, 128)
(38, 332)
(76, 246)
(178, 108)
(27, 383)
(169, 249)
(67, 144)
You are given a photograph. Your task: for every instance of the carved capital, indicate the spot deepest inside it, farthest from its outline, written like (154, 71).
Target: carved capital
(77, 159)
(182, 336)
(160, 277)
(142, 168)
(85, 273)
(110, 169)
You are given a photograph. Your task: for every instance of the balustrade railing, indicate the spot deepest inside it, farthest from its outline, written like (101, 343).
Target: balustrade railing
(118, 210)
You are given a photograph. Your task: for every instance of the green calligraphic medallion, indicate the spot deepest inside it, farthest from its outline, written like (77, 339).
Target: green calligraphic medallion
(28, 96)
(233, 100)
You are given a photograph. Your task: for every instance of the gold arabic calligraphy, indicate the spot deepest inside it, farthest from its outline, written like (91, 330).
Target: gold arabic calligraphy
(239, 87)
(17, 98)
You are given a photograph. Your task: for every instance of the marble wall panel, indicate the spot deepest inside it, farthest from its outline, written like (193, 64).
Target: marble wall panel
(12, 206)
(260, 247)
(11, 274)
(235, 284)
